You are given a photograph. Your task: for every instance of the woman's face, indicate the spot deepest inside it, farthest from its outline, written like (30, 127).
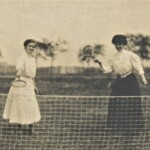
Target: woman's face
(119, 47)
(30, 49)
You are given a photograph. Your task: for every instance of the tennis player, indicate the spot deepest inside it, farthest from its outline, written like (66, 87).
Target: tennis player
(124, 113)
(21, 105)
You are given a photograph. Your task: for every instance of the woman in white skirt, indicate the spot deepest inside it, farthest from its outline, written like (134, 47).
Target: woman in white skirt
(21, 105)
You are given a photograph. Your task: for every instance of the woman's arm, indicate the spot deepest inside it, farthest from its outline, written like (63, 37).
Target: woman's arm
(19, 66)
(145, 82)
(104, 68)
(35, 88)
(138, 68)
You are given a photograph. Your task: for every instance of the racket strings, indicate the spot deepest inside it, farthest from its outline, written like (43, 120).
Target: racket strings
(18, 83)
(87, 51)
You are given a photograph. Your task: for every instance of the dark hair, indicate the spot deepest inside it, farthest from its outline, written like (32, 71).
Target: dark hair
(26, 42)
(119, 39)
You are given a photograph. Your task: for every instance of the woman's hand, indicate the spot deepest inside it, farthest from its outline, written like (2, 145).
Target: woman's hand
(145, 82)
(36, 90)
(18, 74)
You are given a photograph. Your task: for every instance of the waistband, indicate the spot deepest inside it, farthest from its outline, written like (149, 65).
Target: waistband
(125, 75)
(26, 77)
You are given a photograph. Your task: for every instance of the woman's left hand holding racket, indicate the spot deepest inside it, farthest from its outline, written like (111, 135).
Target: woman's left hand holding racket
(18, 82)
(36, 90)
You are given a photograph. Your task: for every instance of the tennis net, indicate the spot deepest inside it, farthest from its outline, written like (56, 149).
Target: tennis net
(75, 123)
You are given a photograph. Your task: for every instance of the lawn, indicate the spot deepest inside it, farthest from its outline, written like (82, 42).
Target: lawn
(72, 85)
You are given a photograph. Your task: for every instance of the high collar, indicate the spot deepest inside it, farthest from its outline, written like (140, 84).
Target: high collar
(28, 55)
(120, 52)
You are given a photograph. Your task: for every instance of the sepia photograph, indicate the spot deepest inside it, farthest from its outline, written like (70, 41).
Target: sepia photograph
(74, 74)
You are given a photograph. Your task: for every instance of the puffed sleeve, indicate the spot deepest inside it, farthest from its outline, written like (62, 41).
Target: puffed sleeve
(136, 64)
(20, 63)
(107, 68)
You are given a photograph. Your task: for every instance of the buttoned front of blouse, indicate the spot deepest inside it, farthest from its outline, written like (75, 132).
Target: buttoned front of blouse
(124, 62)
(27, 65)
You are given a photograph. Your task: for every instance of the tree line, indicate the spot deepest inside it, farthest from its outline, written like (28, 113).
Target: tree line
(138, 43)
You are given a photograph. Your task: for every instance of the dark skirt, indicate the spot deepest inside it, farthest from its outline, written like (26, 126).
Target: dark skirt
(125, 113)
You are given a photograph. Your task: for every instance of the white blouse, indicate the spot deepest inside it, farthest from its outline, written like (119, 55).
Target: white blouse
(124, 62)
(27, 65)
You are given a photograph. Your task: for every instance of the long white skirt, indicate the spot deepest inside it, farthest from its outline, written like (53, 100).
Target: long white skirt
(21, 105)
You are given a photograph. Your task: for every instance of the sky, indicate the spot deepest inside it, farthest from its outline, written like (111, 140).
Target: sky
(79, 22)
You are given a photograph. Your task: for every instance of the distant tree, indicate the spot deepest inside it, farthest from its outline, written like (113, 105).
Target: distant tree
(41, 50)
(139, 44)
(53, 48)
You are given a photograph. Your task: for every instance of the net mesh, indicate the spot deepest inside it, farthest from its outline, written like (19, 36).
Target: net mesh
(74, 123)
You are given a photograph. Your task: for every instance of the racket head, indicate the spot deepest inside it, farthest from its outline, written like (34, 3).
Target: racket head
(87, 51)
(18, 83)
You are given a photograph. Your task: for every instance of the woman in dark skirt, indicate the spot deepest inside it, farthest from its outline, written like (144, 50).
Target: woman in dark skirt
(125, 112)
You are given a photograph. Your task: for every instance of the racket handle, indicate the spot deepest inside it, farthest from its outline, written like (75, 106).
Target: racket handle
(100, 64)
(97, 61)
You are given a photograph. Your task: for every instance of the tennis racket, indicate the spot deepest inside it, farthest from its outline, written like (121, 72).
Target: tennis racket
(88, 51)
(18, 83)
